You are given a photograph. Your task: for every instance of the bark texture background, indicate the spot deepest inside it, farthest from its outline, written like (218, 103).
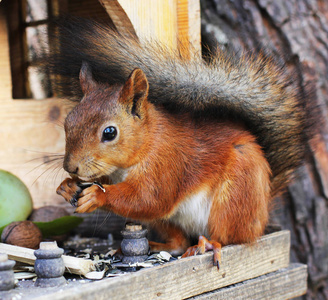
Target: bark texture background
(297, 30)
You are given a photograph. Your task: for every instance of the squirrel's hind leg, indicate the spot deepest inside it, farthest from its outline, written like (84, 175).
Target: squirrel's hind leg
(205, 245)
(175, 243)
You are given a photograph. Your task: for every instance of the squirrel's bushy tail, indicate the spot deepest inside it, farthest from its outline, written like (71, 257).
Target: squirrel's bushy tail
(256, 90)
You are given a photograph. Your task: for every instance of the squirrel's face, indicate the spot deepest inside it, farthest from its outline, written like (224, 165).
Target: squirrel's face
(106, 130)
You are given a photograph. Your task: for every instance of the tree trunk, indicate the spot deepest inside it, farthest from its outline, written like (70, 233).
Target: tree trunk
(297, 30)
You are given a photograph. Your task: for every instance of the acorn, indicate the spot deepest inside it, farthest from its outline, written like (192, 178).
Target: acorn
(23, 234)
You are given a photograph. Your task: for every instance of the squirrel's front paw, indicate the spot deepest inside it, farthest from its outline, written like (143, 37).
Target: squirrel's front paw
(90, 199)
(70, 190)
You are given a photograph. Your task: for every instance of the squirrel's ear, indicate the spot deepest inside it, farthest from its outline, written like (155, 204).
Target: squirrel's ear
(135, 92)
(86, 80)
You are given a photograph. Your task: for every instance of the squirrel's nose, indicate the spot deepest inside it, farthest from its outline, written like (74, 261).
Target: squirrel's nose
(76, 171)
(70, 166)
(71, 169)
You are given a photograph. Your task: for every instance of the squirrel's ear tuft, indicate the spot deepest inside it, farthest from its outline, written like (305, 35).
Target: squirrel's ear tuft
(86, 80)
(134, 93)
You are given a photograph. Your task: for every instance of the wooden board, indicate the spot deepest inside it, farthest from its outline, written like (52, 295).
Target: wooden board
(191, 276)
(31, 134)
(286, 283)
(74, 265)
(5, 77)
(30, 131)
(176, 23)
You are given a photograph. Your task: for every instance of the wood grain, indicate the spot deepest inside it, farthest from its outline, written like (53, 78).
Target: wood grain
(73, 265)
(5, 77)
(193, 275)
(285, 283)
(31, 136)
(175, 23)
(119, 17)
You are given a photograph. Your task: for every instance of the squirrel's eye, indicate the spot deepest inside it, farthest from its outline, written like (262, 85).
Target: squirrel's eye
(109, 134)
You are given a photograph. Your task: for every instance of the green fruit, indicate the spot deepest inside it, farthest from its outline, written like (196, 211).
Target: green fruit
(15, 199)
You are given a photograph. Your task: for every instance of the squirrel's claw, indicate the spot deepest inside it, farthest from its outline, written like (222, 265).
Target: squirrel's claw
(204, 245)
(86, 197)
(69, 190)
(90, 199)
(74, 199)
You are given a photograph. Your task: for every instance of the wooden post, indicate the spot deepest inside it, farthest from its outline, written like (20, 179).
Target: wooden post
(175, 23)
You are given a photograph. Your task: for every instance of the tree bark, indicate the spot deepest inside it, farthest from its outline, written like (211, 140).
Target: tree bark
(297, 31)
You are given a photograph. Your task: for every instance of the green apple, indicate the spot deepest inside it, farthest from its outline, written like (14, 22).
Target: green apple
(15, 199)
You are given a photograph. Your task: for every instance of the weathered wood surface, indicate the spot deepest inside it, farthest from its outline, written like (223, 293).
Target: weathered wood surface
(176, 23)
(286, 283)
(5, 79)
(297, 30)
(31, 138)
(31, 132)
(191, 276)
(74, 265)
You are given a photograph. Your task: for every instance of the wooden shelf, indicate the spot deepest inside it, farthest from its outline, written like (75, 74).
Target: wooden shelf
(254, 271)
(193, 275)
(285, 283)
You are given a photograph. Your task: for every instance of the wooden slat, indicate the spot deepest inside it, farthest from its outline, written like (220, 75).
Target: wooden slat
(286, 283)
(175, 23)
(85, 9)
(193, 275)
(31, 131)
(188, 27)
(73, 265)
(194, 25)
(118, 17)
(150, 19)
(5, 76)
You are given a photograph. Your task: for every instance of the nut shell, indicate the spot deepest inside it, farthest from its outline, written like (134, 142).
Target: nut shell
(23, 234)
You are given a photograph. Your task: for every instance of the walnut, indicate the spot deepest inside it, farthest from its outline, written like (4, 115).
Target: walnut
(23, 233)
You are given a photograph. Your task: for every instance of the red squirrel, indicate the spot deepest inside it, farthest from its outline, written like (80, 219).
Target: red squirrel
(194, 149)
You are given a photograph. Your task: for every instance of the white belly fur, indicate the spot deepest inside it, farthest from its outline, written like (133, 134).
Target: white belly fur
(192, 214)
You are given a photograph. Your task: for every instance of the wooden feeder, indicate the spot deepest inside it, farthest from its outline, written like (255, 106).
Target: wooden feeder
(30, 131)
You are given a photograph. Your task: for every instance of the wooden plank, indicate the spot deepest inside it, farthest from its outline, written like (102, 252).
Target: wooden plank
(285, 283)
(193, 275)
(188, 27)
(175, 23)
(5, 75)
(31, 134)
(118, 17)
(153, 19)
(86, 9)
(30, 131)
(74, 265)
(194, 25)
